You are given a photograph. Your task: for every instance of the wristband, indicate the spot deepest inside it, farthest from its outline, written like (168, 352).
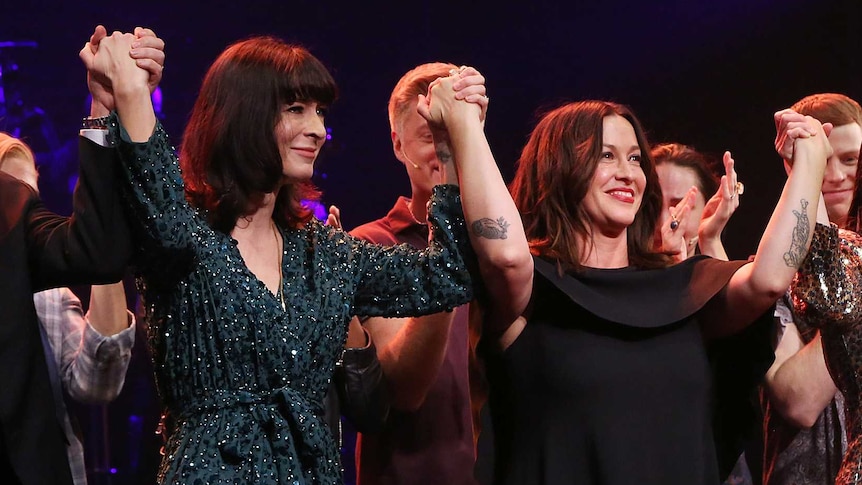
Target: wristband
(90, 123)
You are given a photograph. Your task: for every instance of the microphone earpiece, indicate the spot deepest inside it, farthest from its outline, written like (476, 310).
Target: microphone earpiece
(409, 160)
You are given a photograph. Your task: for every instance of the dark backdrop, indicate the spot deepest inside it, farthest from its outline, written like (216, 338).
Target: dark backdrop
(704, 72)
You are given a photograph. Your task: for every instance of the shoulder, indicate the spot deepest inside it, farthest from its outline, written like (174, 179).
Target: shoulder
(643, 297)
(13, 189)
(850, 239)
(17, 201)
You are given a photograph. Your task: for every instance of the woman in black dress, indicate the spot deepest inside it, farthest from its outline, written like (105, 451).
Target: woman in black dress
(598, 366)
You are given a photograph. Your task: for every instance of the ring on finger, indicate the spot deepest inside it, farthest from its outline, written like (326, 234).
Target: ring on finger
(674, 222)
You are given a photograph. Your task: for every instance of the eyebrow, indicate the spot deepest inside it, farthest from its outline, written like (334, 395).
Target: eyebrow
(632, 148)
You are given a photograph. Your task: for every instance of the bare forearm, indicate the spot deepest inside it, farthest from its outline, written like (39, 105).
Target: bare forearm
(107, 313)
(97, 109)
(411, 358)
(788, 234)
(800, 387)
(496, 231)
(713, 247)
(135, 109)
(822, 214)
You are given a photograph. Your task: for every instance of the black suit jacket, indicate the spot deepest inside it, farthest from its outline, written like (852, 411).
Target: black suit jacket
(39, 250)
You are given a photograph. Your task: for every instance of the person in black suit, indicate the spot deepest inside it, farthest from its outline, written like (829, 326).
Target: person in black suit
(40, 250)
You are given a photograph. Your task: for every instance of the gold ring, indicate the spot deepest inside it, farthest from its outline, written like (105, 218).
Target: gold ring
(740, 188)
(674, 223)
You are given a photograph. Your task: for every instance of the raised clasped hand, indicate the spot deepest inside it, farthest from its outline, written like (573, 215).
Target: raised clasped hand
(469, 85)
(818, 142)
(143, 47)
(461, 94)
(791, 126)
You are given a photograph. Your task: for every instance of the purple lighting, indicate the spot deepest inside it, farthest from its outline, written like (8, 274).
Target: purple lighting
(319, 209)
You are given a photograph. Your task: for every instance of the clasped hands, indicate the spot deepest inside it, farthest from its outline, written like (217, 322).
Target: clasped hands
(461, 93)
(791, 127)
(132, 57)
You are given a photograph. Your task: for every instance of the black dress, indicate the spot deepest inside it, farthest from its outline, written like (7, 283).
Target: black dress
(609, 382)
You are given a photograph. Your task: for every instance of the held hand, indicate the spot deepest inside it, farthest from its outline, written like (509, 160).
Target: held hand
(148, 52)
(470, 86)
(672, 230)
(816, 148)
(440, 107)
(722, 205)
(100, 86)
(791, 126)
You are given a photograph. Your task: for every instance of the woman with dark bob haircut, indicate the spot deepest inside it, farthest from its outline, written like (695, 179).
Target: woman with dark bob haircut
(230, 156)
(248, 297)
(602, 375)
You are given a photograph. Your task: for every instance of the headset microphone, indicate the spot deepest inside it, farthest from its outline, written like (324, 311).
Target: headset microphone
(404, 154)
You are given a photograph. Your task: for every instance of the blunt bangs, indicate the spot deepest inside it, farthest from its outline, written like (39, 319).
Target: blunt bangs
(306, 79)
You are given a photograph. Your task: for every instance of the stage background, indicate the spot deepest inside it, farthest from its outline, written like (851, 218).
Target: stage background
(706, 73)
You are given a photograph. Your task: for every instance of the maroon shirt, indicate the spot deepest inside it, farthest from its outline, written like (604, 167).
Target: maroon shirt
(434, 444)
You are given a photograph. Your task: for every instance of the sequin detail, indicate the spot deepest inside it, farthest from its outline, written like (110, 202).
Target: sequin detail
(826, 295)
(242, 379)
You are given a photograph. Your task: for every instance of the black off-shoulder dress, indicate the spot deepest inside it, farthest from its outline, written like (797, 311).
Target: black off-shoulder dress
(610, 381)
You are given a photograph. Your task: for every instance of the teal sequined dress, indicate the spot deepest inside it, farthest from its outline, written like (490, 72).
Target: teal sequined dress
(243, 379)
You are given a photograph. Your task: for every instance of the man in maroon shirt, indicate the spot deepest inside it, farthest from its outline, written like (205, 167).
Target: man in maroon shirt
(428, 437)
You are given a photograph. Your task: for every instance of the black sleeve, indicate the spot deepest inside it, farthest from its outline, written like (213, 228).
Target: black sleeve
(739, 363)
(93, 245)
(362, 389)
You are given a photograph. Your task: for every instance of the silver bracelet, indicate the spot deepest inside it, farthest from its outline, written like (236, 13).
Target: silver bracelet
(90, 123)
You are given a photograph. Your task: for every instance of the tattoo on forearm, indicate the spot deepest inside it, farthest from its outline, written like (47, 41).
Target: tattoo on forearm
(491, 229)
(793, 257)
(443, 153)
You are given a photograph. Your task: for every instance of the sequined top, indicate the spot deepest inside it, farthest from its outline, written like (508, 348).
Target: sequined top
(794, 455)
(244, 379)
(826, 295)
